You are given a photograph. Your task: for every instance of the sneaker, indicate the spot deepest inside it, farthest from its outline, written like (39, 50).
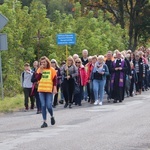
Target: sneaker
(52, 121)
(100, 103)
(44, 125)
(96, 102)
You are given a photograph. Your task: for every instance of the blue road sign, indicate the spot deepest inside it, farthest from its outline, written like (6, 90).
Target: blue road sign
(3, 42)
(66, 39)
(3, 21)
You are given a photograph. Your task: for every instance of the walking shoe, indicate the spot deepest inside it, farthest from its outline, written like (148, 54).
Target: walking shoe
(96, 102)
(100, 103)
(108, 100)
(66, 105)
(70, 106)
(52, 121)
(61, 102)
(44, 125)
(115, 101)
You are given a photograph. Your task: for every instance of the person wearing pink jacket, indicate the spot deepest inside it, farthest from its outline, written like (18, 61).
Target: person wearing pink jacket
(81, 80)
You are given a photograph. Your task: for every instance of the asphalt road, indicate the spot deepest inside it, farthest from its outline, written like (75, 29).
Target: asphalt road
(121, 126)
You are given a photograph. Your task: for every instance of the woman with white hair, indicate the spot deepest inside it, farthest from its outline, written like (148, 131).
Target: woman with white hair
(99, 74)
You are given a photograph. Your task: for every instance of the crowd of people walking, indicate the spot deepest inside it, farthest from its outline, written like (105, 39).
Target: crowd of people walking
(118, 74)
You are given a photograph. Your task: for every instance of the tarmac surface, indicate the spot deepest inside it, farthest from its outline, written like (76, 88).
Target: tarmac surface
(120, 126)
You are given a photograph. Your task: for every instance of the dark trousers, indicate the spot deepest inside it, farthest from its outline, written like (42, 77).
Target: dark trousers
(27, 94)
(56, 97)
(131, 86)
(139, 84)
(107, 88)
(38, 102)
(89, 91)
(68, 89)
(78, 97)
(146, 81)
(92, 99)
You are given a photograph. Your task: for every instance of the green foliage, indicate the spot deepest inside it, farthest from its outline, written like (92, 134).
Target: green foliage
(25, 23)
(11, 104)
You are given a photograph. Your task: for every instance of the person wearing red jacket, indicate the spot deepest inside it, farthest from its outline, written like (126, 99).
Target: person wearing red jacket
(81, 80)
(90, 67)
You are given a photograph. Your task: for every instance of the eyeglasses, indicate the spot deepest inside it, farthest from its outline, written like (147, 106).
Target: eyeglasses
(78, 62)
(52, 62)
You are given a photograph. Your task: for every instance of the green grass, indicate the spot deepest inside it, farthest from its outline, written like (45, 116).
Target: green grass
(10, 104)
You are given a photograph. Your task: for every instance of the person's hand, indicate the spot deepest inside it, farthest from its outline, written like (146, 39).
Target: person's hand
(41, 68)
(116, 69)
(143, 75)
(130, 77)
(68, 77)
(120, 68)
(54, 90)
(66, 68)
(28, 71)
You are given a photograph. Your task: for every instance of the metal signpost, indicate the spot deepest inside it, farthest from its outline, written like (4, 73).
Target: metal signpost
(66, 39)
(3, 46)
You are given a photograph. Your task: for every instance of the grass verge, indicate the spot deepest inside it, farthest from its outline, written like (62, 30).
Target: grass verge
(10, 104)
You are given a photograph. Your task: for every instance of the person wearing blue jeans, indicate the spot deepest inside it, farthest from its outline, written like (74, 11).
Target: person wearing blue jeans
(98, 76)
(98, 89)
(46, 75)
(46, 102)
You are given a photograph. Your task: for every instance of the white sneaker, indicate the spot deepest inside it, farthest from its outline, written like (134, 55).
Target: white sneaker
(96, 102)
(100, 103)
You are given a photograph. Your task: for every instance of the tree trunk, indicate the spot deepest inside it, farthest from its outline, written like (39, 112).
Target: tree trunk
(121, 9)
(131, 31)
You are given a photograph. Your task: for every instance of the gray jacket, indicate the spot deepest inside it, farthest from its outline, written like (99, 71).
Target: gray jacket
(72, 71)
(26, 79)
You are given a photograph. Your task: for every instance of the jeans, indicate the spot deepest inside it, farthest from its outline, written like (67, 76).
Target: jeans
(98, 88)
(46, 102)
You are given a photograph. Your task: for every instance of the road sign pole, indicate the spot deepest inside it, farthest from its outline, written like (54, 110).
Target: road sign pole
(67, 57)
(3, 46)
(1, 77)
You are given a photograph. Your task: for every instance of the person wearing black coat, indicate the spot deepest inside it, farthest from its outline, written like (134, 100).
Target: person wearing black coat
(35, 87)
(134, 79)
(108, 62)
(140, 70)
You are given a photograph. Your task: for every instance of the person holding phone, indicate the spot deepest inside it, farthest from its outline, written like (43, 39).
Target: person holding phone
(46, 75)
(27, 86)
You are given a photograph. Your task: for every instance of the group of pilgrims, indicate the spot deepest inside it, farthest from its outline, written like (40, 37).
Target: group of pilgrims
(115, 74)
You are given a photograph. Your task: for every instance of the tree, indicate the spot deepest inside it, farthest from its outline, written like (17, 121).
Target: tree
(128, 13)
